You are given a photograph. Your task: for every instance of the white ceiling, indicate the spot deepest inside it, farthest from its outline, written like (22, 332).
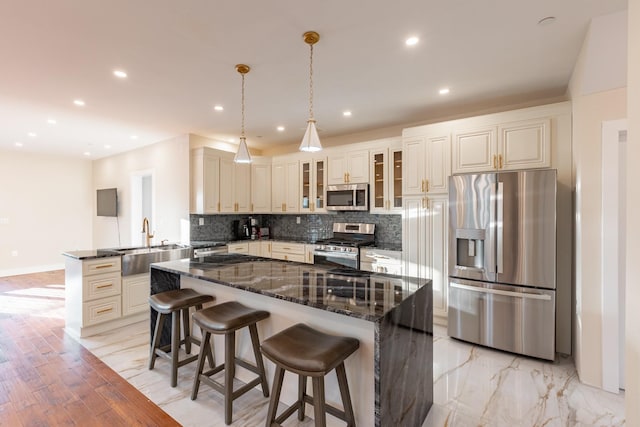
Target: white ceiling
(181, 55)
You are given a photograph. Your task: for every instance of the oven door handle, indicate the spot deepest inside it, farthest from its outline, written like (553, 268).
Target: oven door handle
(335, 254)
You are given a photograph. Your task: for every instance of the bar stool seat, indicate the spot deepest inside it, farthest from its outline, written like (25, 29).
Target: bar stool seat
(309, 353)
(174, 303)
(225, 319)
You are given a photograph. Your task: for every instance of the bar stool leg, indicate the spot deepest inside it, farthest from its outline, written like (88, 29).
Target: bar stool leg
(175, 346)
(229, 374)
(346, 397)
(302, 392)
(318, 402)
(185, 327)
(253, 330)
(155, 341)
(201, 358)
(275, 396)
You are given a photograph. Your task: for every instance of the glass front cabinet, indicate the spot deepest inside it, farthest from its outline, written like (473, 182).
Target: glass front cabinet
(313, 178)
(386, 180)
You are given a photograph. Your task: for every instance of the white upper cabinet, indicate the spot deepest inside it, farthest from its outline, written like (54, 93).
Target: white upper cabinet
(427, 163)
(313, 180)
(524, 144)
(260, 187)
(386, 167)
(235, 186)
(348, 167)
(285, 186)
(205, 181)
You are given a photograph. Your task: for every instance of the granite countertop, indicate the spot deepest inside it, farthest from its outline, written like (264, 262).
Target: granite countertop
(91, 253)
(387, 246)
(359, 294)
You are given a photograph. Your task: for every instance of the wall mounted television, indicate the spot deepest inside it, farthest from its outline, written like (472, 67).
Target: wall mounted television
(107, 202)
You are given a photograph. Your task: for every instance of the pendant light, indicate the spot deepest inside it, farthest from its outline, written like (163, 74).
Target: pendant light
(311, 141)
(242, 156)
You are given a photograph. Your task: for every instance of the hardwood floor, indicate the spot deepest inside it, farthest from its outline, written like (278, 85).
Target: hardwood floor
(46, 377)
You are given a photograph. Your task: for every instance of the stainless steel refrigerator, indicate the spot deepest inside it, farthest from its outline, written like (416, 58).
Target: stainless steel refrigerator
(502, 260)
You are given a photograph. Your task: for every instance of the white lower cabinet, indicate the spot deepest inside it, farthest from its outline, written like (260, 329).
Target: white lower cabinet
(381, 261)
(238, 248)
(425, 246)
(288, 251)
(135, 294)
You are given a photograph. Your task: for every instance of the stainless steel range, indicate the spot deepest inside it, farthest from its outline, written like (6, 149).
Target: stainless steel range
(342, 250)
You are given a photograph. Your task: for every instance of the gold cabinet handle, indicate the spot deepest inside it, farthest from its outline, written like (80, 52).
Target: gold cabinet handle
(104, 286)
(422, 186)
(106, 310)
(425, 203)
(500, 160)
(495, 161)
(218, 206)
(251, 207)
(426, 184)
(286, 258)
(344, 177)
(103, 266)
(348, 177)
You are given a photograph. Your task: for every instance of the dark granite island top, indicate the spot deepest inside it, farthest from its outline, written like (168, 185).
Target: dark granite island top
(397, 308)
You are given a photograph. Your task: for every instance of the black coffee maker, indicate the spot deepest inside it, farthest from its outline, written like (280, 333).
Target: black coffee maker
(241, 229)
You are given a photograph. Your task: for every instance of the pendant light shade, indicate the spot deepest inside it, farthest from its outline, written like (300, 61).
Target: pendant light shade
(242, 155)
(311, 141)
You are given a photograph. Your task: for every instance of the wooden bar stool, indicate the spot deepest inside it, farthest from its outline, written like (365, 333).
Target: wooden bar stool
(309, 353)
(225, 319)
(174, 302)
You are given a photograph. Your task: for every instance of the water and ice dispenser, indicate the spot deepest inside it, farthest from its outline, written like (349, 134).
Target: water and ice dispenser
(470, 246)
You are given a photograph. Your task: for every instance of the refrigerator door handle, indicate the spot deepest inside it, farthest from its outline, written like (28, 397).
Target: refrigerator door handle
(524, 295)
(491, 268)
(499, 229)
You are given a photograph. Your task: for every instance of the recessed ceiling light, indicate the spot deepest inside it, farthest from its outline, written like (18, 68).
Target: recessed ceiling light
(120, 74)
(32, 134)
(134, 136)
(218, 108)
(346, 113)
(280, 128)
(444, 91)
(412, 41)
(547, 20)
(79, 102)
(51, 122)
(86, 153)
(107, 146)
(18, 144)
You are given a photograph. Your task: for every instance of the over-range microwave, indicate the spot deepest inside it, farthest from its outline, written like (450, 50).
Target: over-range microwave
(348, 197)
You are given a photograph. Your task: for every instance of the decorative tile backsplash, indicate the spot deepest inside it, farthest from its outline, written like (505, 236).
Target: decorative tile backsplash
(310, 229)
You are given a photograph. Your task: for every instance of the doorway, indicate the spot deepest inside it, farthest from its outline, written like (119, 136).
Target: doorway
(614, 151)
(142, 204)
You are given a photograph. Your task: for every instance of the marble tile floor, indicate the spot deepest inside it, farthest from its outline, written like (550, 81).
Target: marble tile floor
(473, 386)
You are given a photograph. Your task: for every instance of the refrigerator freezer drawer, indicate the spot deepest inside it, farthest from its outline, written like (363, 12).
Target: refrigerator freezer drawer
(511, 318)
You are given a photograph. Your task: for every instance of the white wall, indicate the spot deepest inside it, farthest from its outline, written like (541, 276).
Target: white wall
(632, 368)
(169, 162)
(590, 109)
(45, 209)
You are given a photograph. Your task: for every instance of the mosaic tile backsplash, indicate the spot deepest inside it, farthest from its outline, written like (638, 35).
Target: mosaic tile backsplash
(310, 229)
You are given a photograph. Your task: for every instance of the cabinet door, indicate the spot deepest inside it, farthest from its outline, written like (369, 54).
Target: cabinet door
(415, 237)
(337, 169)
(227, 185)
(475, 150)
(278, 187)
(358, 167)
(309, 249)
(306, 185)
(255, 248)
(525, 144)
(205, 182)
(413, 172)
(378, 196)
(395, 180)
(438, 264)
(319, 183)
(438, 164)
(292, 187)
(260, 188)
(135, 294)
(242, 187)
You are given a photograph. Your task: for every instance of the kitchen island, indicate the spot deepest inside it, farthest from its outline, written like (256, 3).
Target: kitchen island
(390, 376)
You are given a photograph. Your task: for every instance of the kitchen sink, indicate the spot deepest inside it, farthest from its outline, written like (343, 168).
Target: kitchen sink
(138, 260)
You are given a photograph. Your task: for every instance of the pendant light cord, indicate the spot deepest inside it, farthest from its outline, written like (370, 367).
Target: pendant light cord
(311, 82)
(242, 127)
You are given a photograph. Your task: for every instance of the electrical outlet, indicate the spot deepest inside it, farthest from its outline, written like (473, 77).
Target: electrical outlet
(200, 221)
(297, 220)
